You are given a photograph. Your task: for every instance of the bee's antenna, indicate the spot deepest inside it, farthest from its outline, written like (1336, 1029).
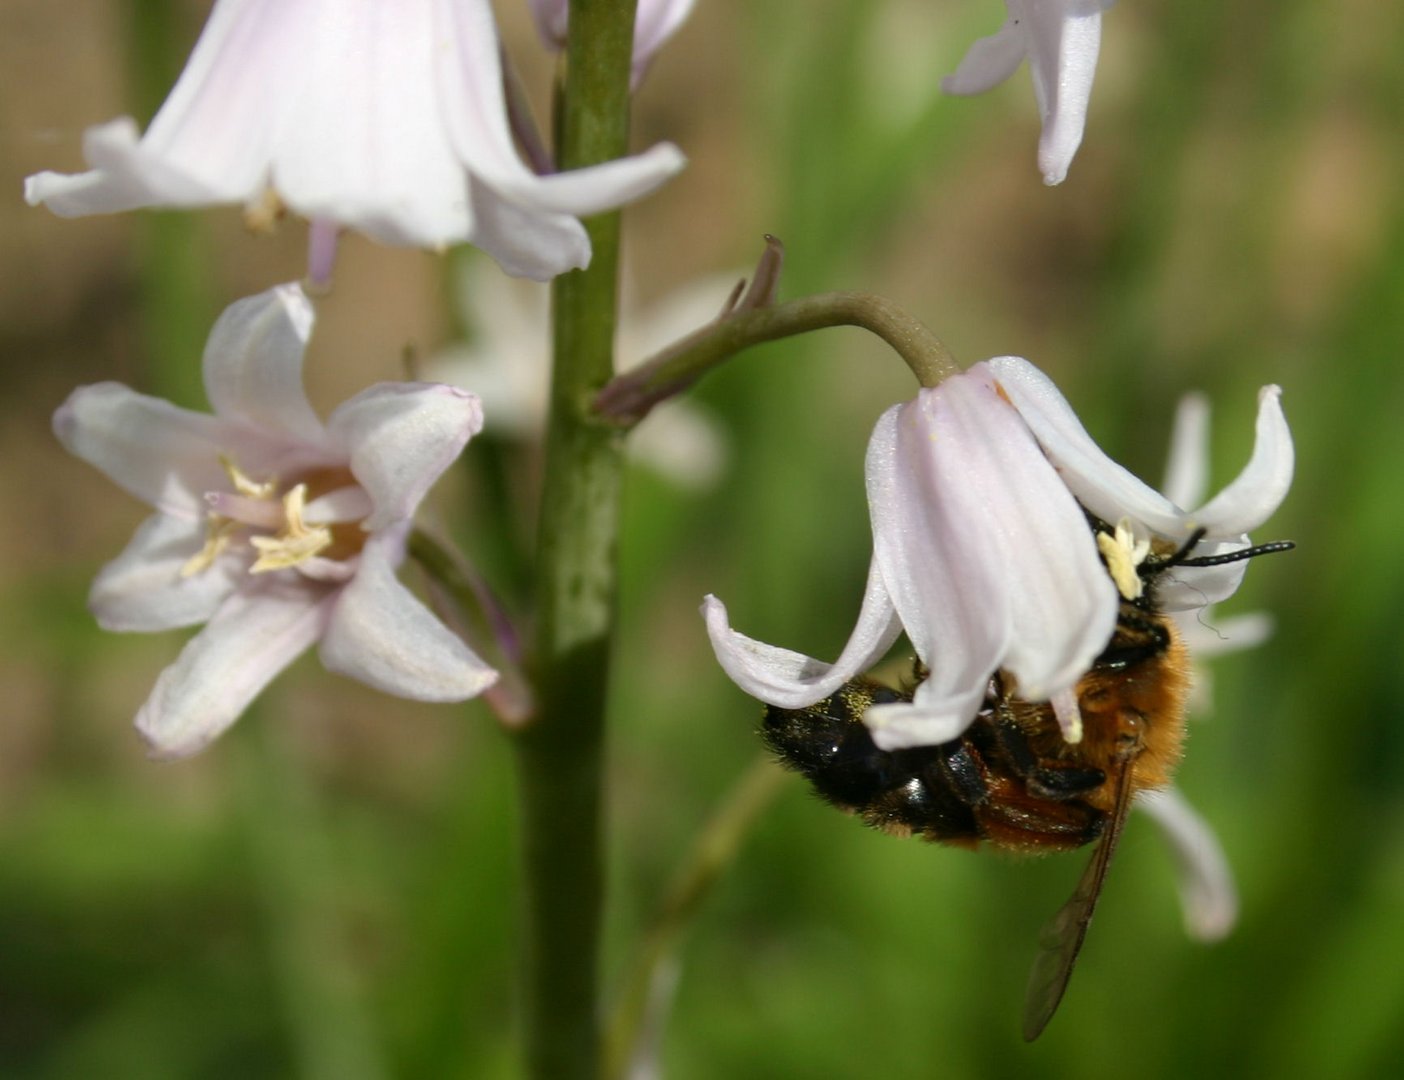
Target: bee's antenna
(1182, 556)
(1238, 556)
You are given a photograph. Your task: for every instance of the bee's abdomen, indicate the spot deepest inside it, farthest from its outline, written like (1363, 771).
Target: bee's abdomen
(904, 792)
(959, 792)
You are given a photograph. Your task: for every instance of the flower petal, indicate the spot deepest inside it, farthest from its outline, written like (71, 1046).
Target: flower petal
(1207, 636)
(399, 438)
(1188, 588)
(595, 188)
(999, 567)
(211, 140)
(930, 719)
(1063, 38)
(551, 20)
(253, 363)
(1098, 483)
(1207, 892)
(1187, 468)
(364, 143)
(144, 589)
(656, 22)
(471, 95)
(123, 176)
(1257, 492)
(257, 632)
(791, 680)
(527, 243)
(164, 455)
(988, 62)
(349, 503)
(945, 584)
(382, 635)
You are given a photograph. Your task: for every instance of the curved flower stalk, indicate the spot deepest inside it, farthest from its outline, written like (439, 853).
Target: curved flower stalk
(386, 118)
(273, 529)
(981, 552)
(654, 23)
(508, 365)
(1060, 39)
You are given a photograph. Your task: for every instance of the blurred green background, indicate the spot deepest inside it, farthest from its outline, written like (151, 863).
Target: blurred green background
(329, 891)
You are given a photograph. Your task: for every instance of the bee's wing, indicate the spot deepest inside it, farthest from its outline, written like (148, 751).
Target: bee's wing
(1060, 940)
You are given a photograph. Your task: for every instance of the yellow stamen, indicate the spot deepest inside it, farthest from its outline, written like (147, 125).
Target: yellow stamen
(218, 532)
(1123, 554)
(263, 214)
(297, 542)
(244, 484)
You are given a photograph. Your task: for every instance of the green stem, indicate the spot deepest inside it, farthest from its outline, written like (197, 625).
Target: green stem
(628, 399)
(560, 756)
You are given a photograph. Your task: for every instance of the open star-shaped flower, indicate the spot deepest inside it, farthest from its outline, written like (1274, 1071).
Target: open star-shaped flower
(273, 529)
(979, 491)
(386, 118)
(1060, 39)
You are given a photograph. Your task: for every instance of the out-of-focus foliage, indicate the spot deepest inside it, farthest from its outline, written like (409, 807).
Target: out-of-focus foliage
(329, 891)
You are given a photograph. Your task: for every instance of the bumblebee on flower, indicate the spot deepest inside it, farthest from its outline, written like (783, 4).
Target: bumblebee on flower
(979, 491)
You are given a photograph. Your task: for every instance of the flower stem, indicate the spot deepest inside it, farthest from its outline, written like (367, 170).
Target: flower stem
(560, 755)
(628, 398)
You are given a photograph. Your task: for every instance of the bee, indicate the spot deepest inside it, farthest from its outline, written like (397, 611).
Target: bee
(1011, 779)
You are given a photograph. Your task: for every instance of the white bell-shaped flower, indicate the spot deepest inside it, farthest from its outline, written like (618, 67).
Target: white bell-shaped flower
(386, 118)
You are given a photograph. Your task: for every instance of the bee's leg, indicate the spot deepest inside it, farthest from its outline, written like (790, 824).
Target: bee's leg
(1044, 778)
(1015, 818)
(963, 771)
(965, 774)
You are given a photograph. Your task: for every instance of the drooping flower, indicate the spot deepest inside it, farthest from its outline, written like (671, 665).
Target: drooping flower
(1060, 39)
(507, 364)
(982, 553)
(273, 529)
(386, 118)
(654, 23)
